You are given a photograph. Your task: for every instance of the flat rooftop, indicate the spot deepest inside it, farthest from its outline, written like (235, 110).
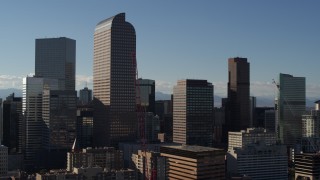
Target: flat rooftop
(194, 148)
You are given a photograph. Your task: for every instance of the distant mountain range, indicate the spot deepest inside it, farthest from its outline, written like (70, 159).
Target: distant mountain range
(261, 101)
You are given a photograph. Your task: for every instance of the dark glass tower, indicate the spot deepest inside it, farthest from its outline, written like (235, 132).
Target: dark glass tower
(238, 104)
(13, 124)
(114, 82)
(56, 59)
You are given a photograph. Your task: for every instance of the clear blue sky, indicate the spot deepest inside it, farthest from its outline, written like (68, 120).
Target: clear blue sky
(175, 39)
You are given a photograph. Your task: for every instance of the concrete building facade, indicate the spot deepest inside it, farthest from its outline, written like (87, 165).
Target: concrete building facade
(250, 136)
(194, 162)
(193, 112)
(259, 161)
(107, 157)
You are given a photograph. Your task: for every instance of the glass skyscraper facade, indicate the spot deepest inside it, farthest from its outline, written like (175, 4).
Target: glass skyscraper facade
(291, 105)
(32, 110)
(114, 82)
(56, 59)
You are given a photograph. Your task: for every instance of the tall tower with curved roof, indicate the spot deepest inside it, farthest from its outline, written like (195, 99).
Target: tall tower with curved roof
(114, 82)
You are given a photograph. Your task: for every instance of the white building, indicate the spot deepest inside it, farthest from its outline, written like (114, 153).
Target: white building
(250, 136)
(311, 124)
(259, 161)
(254, 153)
(3, 160)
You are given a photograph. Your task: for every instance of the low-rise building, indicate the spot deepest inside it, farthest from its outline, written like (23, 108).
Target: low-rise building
(259, 161)
(250, 136)
(108, 158)
(193, 162)
(87, 173)
(147, 163)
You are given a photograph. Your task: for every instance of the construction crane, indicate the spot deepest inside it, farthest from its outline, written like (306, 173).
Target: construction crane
(141, 116)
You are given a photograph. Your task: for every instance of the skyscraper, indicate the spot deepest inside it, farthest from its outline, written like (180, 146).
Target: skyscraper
(193, 112)
(114, 82)
(56, 59)
(238, 105)
(32, 110)
(291, 105)
(13, 124)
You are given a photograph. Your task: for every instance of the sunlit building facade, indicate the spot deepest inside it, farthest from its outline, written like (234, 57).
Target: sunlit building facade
(114, 82)
(193, 112)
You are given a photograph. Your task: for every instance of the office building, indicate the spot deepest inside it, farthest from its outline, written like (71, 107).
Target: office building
(152, 127)
(311, 124)
(107, 157)
(56, 59)
(307, 166)
(259, 116)
(270, 120)
(132, 148)
(13, 129)
(254, 152)
(193, 162)
(253, 106)
(146, 163)
(32, 110)
(238, 103)
(59, 116)
(146, 88)
(259, 161)
(164, 111)
(310, 140)
(219, 122)
(291, 104)
(85, 126)
(85, 96)
(3, 160)
(114, 77)
(250, 136)
(193, 112)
